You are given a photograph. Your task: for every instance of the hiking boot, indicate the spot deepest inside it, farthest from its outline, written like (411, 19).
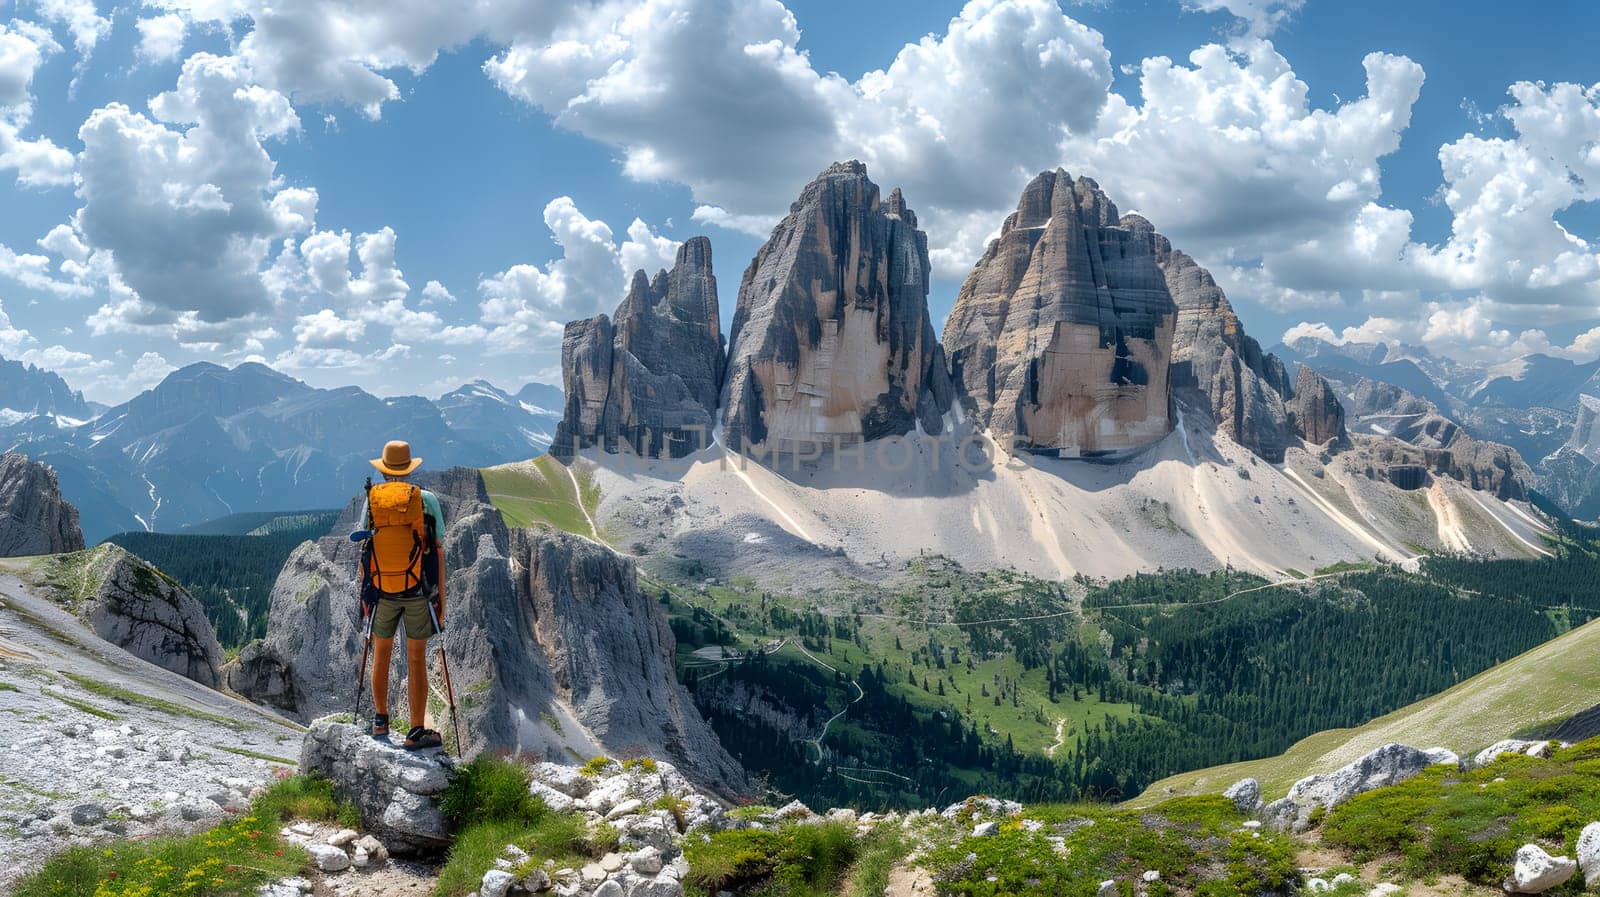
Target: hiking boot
(419, 739)
(380, 725)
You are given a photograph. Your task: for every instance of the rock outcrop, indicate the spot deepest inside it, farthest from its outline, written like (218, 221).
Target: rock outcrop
(397, 791)
(1245, 387)
(1388, 765)
(34, 518)
(1061, 336)
(553, 648)
(647, 380)
(1414, 433)
(136, 607)
(831, 340)
(1315, 414)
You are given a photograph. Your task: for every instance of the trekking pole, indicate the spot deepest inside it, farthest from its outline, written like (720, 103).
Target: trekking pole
(444, 664)
(361, 675)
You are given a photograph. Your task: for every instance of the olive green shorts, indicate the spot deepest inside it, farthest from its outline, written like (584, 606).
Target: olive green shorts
(387, 615)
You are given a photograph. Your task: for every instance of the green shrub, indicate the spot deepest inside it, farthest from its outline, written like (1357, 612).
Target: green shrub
(797, 860)
(230, 860)
(305, 797)
(491, 789)
(1470, 824)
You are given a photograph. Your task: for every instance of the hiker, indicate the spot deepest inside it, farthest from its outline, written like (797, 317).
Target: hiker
(402, 572)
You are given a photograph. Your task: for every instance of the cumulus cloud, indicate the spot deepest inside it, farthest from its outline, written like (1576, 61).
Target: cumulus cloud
(326, 328)
(187, 214)
(958, 120)
(161, 37)
(526, 306)
(38, 162)
(339, 51)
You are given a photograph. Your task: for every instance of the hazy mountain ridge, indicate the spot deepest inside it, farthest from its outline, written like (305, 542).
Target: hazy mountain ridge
(1534, 404)
(210, 441)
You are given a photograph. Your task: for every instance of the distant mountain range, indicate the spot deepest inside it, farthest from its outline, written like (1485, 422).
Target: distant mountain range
(1539, 405)
(209, 440)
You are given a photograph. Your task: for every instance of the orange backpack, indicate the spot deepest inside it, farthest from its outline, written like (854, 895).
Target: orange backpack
(392, 563)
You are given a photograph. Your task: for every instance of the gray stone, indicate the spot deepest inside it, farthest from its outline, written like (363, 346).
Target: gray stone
(496, 883)
(536, 881)
(608, 889)
(647, 381)
(1535, 871)
(1388, 765)
(328, 858)
(370, 774)
(88, 814)
(34, 518)
(1589, 853)
(1511, 746)
(1061, 336)
(985, 829)
(1245, 794)
(831, 339)
(646, 861)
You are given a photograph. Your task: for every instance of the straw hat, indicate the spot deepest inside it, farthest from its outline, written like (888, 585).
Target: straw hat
(397, 460)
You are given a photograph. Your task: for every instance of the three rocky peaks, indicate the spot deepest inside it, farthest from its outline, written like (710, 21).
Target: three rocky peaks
(1070, 337)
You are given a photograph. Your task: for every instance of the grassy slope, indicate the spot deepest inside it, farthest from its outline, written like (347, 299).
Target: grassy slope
(540, 491)
(1549, 682)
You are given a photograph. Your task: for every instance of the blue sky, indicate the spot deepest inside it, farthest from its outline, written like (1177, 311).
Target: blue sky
(299, 193)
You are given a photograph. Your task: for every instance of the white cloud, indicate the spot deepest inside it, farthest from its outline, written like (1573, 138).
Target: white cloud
(527, 305)
(959, 120)
(161, 37)
(81, 19)
(338, 51)
(1228, 156)
(147, 370)
(326, 328)
(1259, 18)
(38, 162)
(12, 338)
(188, 214)
(434, 293)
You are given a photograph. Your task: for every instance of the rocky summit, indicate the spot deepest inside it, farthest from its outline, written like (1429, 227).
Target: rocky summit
(831, 339)
(1315, 414)
(1244, 386)
(553, 648)
(34, 518)
(1061, 335)
(648, 379)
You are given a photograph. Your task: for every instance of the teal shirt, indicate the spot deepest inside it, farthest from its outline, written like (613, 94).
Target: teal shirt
(431, 508)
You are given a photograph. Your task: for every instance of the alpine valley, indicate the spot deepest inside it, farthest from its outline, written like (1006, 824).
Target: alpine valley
(1080, 591)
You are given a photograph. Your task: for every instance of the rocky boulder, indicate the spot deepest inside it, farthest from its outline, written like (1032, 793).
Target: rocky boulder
(396, 790)
(554, 650)
(1588, 851)
(1536, 871)
(133, 605)
(1245, 794)
(831, 339)
(1315, 414)
(1388, 765)
(1244, 386)
(34, 518)
(1531, 748)
(1060, 337)
(647, 380)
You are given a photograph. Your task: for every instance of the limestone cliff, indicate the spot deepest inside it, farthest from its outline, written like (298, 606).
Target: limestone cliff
(1244, 386)
(1315, 413)
(1060, 336)
(34, 518)
(831, 339)
(553, 648)
(647, 380)
(136, 607)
